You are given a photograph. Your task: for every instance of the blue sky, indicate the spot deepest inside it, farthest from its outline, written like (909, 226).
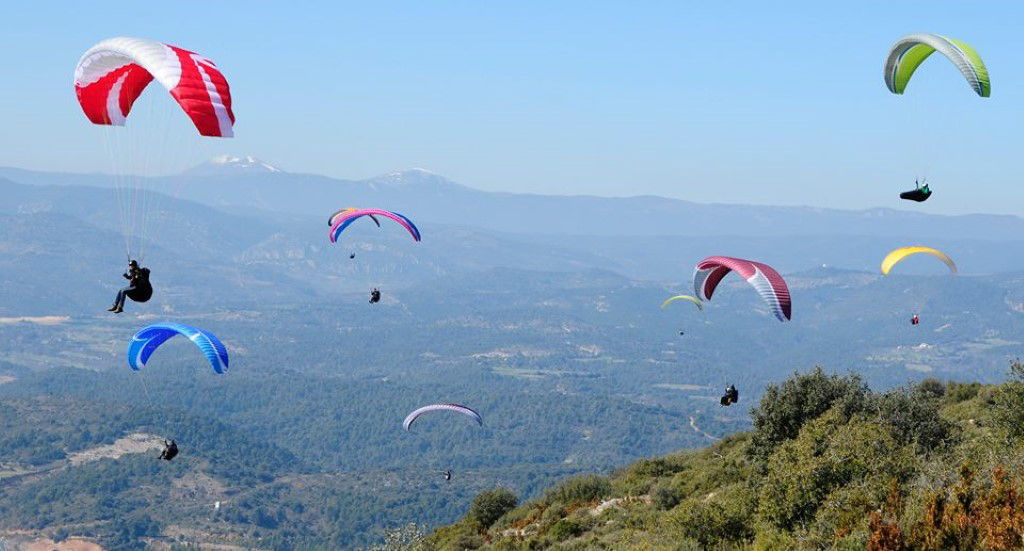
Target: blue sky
(747, 102)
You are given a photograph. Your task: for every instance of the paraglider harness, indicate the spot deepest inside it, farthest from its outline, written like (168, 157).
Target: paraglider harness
(170, 450)
(138, 281)
(374, 296)
(730, 397)
(920, 194)
(139, 289)
(915, 320)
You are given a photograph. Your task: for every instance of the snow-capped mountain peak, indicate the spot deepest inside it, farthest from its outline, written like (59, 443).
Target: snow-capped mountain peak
(415, 171)
(417, 177)
(231, 165)
(247, 162)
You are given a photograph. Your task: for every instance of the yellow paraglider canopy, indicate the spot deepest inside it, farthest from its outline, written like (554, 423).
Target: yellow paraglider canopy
(694, 300)
(899, 254)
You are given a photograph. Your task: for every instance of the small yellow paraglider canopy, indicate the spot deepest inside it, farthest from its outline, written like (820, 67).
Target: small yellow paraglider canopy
(898, 255)
(694, 300)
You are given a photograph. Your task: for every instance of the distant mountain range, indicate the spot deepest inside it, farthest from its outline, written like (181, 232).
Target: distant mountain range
(645, 237)
(251, 183)
(61, 252)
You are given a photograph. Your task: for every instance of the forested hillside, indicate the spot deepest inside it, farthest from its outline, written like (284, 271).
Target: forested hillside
(830, 464)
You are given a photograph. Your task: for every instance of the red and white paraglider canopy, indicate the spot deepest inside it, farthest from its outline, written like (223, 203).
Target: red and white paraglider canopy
(112, 74)
(768, 283)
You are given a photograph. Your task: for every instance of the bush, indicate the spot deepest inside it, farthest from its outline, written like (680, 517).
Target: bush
(836, 461)
(565, 529)
(580, 489)
(715, 522)
(930, 388)
(961, 392)
(912, 414)
(655, 468)
(488, 506)
(1008, 404)
(666, 496)
(804, 397)
(467, 540)
(913, 417)
(553, 514)
(517, 517)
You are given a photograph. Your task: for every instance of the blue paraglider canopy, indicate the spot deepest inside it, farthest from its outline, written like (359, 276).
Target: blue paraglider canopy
(147, 340)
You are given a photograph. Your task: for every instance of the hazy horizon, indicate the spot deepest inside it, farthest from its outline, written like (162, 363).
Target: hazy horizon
(899, 207)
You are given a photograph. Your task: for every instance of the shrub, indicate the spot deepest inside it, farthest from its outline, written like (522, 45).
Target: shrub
(579, 489)
(467, 540)
(565, 529)
(930, 388)
(1008, 404)
(553, 514)
(961, 392)
(804, 397)
(715, 522)
(818, 466)
(489, 505)
(913, 417)
(666, 496)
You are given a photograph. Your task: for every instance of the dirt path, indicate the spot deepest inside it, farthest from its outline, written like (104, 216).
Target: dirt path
(693, 425)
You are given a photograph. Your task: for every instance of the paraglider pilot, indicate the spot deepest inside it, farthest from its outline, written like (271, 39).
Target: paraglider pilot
(375, 296)
(138, 289)
(920, 193)
(730, 397)
(448, 474)
(915, 320)
(170, 450)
